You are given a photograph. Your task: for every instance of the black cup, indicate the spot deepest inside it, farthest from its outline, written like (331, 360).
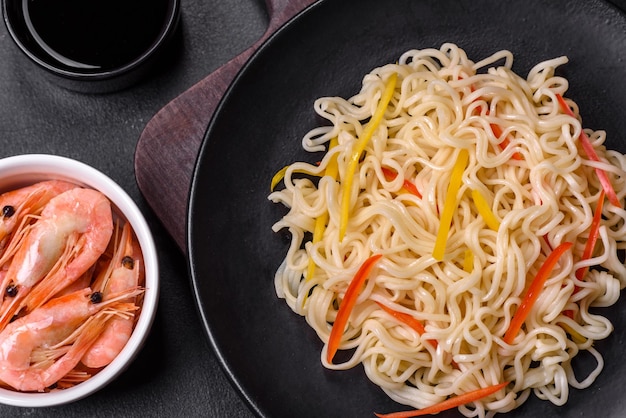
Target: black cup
(93, 46)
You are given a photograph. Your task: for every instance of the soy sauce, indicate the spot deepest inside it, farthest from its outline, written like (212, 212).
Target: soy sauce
(96, 35)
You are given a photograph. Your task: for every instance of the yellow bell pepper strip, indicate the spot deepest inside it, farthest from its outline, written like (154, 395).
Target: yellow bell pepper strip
(347, 304)
(332, 168)
(533, 292)
(576, 336)
(485, 211)
(450, 204)
(281, 175)
(449, 403)
(409, 187)
(591, 154)
(360, 145)
(321, 221)
(468, 261)
(278, 177)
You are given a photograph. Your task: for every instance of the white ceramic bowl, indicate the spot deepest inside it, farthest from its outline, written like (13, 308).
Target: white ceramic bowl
(27, 169)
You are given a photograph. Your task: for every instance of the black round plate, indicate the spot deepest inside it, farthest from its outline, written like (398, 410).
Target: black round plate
(270, 353)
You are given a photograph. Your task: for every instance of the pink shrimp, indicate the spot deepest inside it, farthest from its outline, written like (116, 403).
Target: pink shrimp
(42, 347)
(124, 274)
(17, 204)
(72, 232)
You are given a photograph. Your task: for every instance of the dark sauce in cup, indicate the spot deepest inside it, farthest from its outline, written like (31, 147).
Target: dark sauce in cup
(96, 35)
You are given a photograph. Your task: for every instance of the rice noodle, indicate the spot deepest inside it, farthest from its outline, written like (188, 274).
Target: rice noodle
(541, 188)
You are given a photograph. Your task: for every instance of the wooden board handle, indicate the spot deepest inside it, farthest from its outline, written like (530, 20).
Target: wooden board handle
(168, 146)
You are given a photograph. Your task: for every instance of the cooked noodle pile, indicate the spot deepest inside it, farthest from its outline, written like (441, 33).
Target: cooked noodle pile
(525, 161)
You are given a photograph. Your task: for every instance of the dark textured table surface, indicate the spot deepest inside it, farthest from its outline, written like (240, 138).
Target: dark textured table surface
(176, 374)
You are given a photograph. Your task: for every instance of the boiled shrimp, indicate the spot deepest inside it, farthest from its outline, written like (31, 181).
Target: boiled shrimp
(42, 347)
(72, 232)
(20, 203)
(123, 274)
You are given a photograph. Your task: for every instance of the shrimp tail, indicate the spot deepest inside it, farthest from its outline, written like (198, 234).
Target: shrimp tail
(113, 339)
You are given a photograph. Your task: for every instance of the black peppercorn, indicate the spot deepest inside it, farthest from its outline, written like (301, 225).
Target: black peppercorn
(11, 290)
(128, 262)
(8, 211)
(96, 297)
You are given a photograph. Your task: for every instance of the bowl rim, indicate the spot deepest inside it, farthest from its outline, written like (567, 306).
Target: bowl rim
(173, 16)
(45, 166)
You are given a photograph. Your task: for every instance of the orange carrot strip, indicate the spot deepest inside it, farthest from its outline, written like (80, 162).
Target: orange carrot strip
(390, 175)
(589, 246)
(448, 403)
(497, 132)
(533, 292)
(412, 323)
(407, 320)
(345, 308)
(547, 240)
(406, 184)
(593, 236)
(591, 154)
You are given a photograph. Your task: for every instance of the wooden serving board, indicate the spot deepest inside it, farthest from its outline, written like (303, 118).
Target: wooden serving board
(173, 136)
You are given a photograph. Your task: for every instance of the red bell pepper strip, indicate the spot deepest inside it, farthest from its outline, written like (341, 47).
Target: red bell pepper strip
(348, 302)
(533, 292)
(591, 154)
(390, 175)
(448, 403)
